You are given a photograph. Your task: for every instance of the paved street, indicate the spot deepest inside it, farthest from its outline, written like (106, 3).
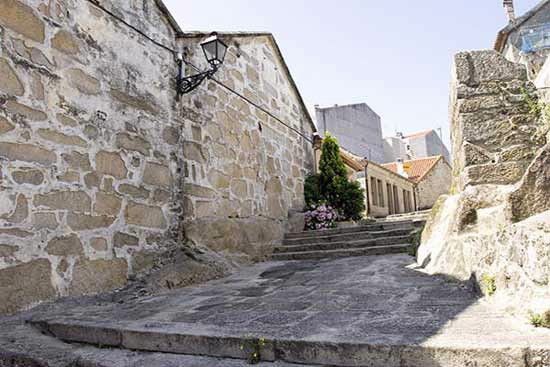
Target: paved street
(301, 308)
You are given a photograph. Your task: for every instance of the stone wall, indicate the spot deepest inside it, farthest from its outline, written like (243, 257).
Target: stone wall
(491, 128)
(495, 224)
(244, 171)
(436, 183)
(89, 147)
(102, 170)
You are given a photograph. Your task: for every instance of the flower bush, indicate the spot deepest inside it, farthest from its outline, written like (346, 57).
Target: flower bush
(321, 216)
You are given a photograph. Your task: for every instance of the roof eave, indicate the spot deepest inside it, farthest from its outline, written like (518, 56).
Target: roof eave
(503, 34)
(164, 9)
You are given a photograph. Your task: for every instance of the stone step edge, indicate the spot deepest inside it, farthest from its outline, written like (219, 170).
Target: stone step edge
(371, 227)
(89, 359)
(361, 251)
(345, 354)
(372, 234)
(342, 245)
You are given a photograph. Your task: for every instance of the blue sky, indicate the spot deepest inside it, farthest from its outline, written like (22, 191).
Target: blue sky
(393, 55)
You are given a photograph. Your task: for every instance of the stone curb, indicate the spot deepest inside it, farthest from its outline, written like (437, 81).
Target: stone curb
(309, 352)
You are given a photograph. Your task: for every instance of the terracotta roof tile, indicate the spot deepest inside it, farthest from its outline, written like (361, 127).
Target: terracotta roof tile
(417, 169)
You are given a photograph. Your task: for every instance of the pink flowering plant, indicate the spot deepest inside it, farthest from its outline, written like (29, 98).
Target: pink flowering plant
(320, 216)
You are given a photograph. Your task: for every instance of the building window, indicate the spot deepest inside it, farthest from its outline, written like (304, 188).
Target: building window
(374, 191)
(380, 193)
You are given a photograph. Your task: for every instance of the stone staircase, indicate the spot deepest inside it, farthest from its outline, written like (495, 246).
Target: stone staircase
(380, 238)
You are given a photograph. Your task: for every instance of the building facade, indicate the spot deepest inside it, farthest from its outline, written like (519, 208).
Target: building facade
(387, 192)
(526, 39)
(432, 177)
(103, 169)
(418, 145)
(357, 127)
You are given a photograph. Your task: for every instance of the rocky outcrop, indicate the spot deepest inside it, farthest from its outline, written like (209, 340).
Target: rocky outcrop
(496, 225)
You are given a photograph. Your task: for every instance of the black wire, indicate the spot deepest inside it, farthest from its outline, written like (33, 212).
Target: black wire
(199, 70)
(94, 2)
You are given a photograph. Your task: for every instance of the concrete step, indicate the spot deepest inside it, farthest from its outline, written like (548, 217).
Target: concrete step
(420, 215)
(382, 226)
(88, 356)
(371, 311)
(156, 345)
(355, 236)
(337, 253)
(340, 245)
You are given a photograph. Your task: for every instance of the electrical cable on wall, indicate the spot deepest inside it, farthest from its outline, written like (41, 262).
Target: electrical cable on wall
(174, 52)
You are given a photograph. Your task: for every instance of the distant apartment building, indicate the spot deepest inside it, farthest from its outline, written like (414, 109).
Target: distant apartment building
(418, 145)
(357, 128)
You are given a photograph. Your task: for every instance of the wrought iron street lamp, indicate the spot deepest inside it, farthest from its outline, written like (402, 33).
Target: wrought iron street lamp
(214, 51)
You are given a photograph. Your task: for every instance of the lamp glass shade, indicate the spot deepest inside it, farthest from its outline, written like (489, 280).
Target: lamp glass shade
(214, 50)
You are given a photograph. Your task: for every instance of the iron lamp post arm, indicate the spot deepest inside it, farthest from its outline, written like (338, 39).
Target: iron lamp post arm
(186, 84)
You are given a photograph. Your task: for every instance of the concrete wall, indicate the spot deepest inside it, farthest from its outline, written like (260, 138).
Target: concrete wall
(435, 146)
(394, 148)
(102, 170)
(425, 145)
(436, 183)
(376, 207)
(357, 128)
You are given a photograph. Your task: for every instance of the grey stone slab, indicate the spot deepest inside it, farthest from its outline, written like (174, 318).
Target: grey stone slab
(364, 311)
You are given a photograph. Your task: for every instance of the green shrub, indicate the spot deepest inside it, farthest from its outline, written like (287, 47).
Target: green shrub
(253, 347)
(540, 320)
(332, 169)
(350, 200)
(489, 284)
(540, 110)
(312, 191)
(331, 185)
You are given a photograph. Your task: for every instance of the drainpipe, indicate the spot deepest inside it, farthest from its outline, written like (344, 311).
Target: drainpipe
(415, 188)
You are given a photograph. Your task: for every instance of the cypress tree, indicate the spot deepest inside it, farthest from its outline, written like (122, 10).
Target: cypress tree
(332, 169)
(345, 196)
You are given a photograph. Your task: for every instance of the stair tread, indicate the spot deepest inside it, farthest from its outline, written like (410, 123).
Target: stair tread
(327, 236)
(347, 244)
(364, 228)
(356, 249)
